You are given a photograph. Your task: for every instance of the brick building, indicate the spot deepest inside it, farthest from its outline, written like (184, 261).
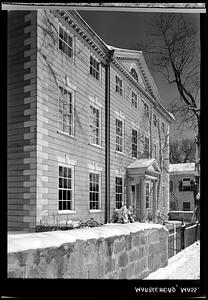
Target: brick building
(86, 130)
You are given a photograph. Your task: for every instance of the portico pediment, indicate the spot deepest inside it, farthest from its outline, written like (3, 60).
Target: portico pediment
(144, 166)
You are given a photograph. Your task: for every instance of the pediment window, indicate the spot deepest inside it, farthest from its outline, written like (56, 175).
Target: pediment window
(134, 74)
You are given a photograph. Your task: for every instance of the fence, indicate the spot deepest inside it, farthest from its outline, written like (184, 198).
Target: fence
(182, 237)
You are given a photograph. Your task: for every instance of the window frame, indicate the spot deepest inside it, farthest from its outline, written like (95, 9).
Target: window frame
(147, 195)
(133, 143)
(72, 38)
(72, 168)
(120, 137)
(71, 91)
(99, 190)
(162, 126)
(134, 74)
(96, 107)
(147, 137)
(146, 110)
(92, 67)
(155, 119)
(186, 188)
(118, 193)
(119, 88)
(134, 101)
(186, 209)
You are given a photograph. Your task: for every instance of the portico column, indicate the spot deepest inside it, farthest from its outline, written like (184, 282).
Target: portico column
(128, 191)
(143, 196)
(154, 200)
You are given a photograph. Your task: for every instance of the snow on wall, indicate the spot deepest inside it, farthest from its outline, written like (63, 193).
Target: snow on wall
(114, 251)
(26, 241)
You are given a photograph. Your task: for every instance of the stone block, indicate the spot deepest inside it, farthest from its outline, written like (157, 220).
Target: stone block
(123, 260)
(128, 241)
(144, 263)
(136, 241)
(110, 265)
(119, 245)
(153, 236)
(123, 273)
(137, 268)
(154, 248)
(133, 255)
(130, 270)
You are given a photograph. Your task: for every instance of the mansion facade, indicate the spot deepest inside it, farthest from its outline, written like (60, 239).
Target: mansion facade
(86, 130)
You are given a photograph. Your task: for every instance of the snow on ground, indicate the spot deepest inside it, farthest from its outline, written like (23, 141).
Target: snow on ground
(184, 265)
(26, 241)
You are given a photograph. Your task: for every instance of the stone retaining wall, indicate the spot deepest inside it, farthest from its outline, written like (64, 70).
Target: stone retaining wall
(125, 256)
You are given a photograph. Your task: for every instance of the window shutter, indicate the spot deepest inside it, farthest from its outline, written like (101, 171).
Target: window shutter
(180, 186)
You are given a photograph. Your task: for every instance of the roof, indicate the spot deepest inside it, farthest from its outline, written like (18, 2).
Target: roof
(141, 163)
(188, 168)
(142, 166)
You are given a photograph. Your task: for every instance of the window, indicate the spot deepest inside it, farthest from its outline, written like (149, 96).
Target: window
(186, 206)
(119, 135)
(65, 42)
(163, 127)
(146, 110)
(146, 147)
(185, 185)
(119, 192)
(171, 186)
(94, 190)
(134, 99)
(154, 150)
(66, 111)
(94, 68)
(134, 143)
(119, 84)
(172, 205)
(65, 188)
(95, 136)
(147, 195)
(154, 120)
(134, 74)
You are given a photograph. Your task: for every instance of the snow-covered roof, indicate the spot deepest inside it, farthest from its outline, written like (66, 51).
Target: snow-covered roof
(188, 168)
(26, 241)
(110, 47)
(141, 163)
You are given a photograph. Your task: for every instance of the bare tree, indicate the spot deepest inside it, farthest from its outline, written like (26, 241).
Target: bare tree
(173, 51)
(182, 151)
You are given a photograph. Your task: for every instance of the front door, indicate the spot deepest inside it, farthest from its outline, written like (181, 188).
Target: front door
(133, 196)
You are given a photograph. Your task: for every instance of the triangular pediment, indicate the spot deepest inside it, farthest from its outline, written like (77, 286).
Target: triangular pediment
(134, 59)
(143, 166)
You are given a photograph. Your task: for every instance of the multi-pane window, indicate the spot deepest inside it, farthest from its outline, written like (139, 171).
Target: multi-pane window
(66, 111)
(154, 120)
(134, 74)
(94, 190)
(119, 85)
(134, 100)
(154, 150)
(119, 192)
(163, 127)
(147, 195)
(186, 206)
(172, 205)
(94, 68)
(95, 136)
(146, 147)
(134, 143)
(65, 188)
(65, 42)
(119, 135)
(186, 185)
(146, 110)
(171, 186)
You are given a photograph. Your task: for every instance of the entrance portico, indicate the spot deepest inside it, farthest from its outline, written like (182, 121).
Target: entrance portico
(142, 184)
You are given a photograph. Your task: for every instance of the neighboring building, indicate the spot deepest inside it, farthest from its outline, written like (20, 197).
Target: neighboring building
(182, 184)
(86, 130)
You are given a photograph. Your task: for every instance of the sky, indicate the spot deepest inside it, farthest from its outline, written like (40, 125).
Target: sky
(125, 30)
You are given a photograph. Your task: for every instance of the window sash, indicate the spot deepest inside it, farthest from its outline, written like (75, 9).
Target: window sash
(65, 188)
(119, 85)
(119, 135)
(65, 111)
(134, 142)
(65, 42)
(94, 190)
(147, 195)
(119, 191)
(94, 68)
(134, 99)
(146, 110)
(147, 147)
(95, 134)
